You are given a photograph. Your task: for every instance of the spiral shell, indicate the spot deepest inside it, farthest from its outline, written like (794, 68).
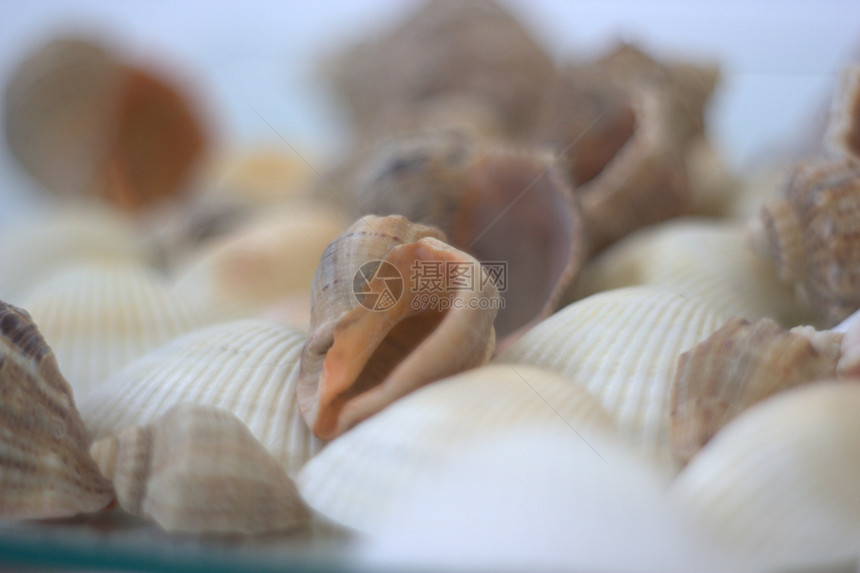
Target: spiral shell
(409, 328)
(198, 469)
(45, 469)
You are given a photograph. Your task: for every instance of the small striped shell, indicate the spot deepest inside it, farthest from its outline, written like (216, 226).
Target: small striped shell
(360, 477)
(247, 367)
(100, 316)
(623, 347)
(782, 481)
(198, 469)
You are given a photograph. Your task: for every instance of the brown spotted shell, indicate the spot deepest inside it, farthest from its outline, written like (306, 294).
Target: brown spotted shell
(388, 317)
(45, 468)
(199, 469)
(738, 365)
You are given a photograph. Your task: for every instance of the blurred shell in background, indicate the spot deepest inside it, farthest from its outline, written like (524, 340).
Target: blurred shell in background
(45, 468)
(198, 469)
(361, 477)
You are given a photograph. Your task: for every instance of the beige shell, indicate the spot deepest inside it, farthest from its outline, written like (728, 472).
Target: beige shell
(808, 233)
(699, 258)
(623, 347)
(502, 206)
(100, 316)
(260, 263)
(843, 129)
(384, 323)
(45, 468)
(849, 361)
(361, 477)
(247, 367)
(198, 469)
(740, 364)
(782, 480)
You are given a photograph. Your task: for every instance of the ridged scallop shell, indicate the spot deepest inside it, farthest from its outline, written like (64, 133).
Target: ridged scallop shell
(100, 316)
(843, 129)
(497, 204)
(809, 234)
(45, 468)
(359, 478)
(247, 367)
(738, 365)
(198, 469)
(263, 261)
(782, 481)
(699, 258)
(623, 347)
(364, 353)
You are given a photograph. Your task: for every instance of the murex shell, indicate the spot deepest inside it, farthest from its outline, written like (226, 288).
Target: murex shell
(45, 469)
(247, 367)
(739, 365)
(199, 469)
(405, 331)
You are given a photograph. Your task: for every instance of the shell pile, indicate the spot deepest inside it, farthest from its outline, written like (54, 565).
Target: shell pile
(535, 280)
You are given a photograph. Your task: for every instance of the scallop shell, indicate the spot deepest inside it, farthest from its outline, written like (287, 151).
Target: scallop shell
(498, 205)
(260, 263)
(843, 129)
(809, 234)
(45, 469)
(623, 347)
(782, 480)
(100, 316)
(410, 326)
(740, 364)
(247, 367)
(698, 258)
(360, 478)
(198, 469)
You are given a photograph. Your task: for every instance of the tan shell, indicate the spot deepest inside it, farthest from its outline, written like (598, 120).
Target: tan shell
(809, 233)
(247, 367)
(498, 205)
(45, 469)
(781, 482)
(364, 353)
(472, 48)
(843, 129)
(84, 123)
(360, 479)
(623, 347)
(740, 364)
(849, 361)
(100, 316)
(198, 469)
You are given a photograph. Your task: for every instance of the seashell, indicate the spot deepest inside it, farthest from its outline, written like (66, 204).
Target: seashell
(623, 347)
(45, 469)
(248, 368)
(398, 72)
(843, 128)
(849, 360)
(697, 258)
(809, 234)
(498, 205)
(199, 469)
(100, 316)
(410, 327)
(82, 122)
(781, 482)
(740, 364)
(259, 263)
(360, 479)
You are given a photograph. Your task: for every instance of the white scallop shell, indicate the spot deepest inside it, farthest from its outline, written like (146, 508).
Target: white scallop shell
(782, 481)
(100, 316)
(698, 258)
(623, 347)
(361, 476)
(247, 367)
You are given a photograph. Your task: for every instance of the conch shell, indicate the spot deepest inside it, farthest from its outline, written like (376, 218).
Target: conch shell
(739, 365)
(498, 205)
(198, 469)
(413, 323)
(45, 468)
